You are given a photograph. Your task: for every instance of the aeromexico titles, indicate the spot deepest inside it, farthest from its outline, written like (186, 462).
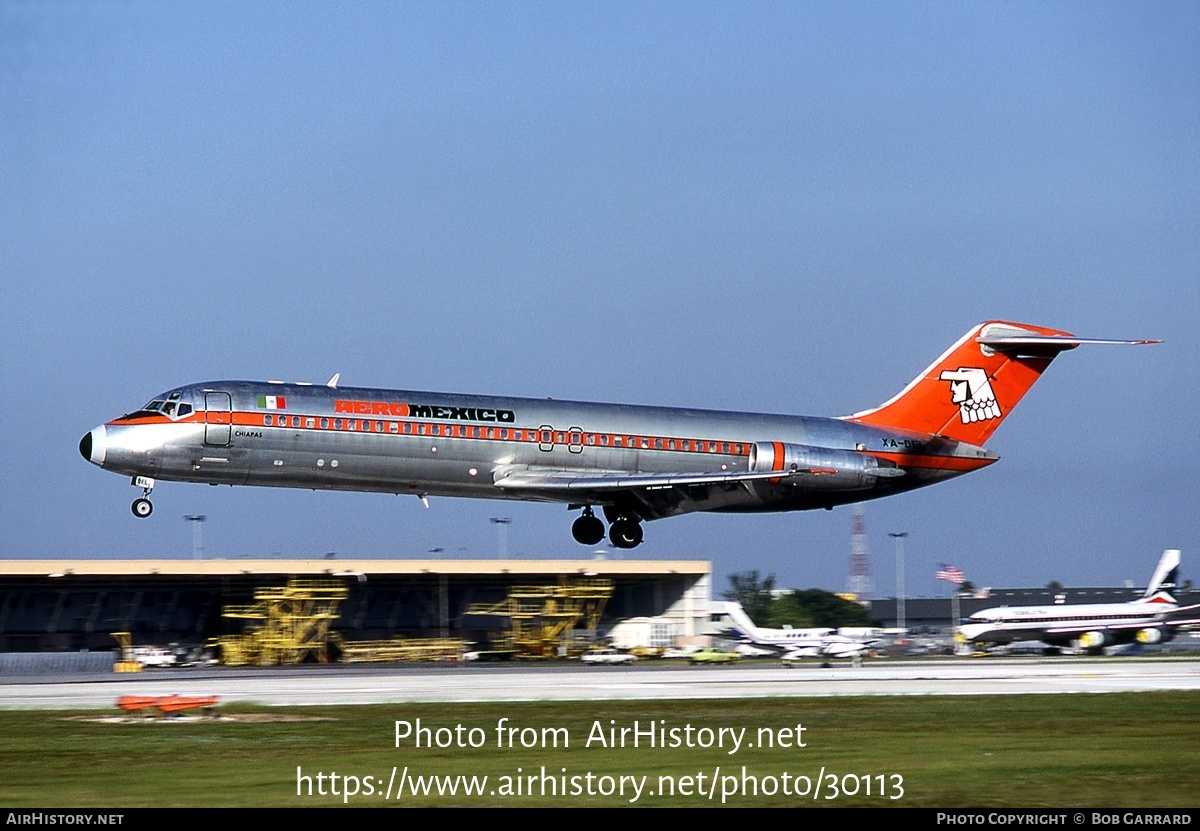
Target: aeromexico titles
(629, 463)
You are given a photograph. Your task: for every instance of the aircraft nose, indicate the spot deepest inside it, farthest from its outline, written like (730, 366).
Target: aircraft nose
(92, 446)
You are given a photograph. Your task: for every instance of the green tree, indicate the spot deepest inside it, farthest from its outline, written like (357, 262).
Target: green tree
(788, 610)
(817, 607)
(753, 592)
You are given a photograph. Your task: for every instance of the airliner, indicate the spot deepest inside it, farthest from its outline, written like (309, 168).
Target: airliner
(632, 463)
(1152, 618)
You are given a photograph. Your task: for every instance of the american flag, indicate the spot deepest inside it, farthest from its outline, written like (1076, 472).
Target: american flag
(951, 574)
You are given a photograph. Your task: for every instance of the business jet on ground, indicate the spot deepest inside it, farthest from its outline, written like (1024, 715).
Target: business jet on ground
(633, 463)
(1155, 617)
(793, 645)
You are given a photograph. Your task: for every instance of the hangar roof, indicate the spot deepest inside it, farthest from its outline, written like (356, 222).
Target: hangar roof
(340, 567)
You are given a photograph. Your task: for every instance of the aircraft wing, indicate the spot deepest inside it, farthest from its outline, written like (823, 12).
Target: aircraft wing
(586, 481)
(655, 495)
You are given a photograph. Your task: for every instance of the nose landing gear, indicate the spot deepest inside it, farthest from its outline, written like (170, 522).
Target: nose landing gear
(141, 507)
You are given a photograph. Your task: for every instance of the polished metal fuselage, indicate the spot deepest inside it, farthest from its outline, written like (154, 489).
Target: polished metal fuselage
(425, 443)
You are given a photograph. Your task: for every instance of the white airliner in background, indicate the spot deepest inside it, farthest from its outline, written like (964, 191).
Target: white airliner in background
(1153, 618)
(634, 463)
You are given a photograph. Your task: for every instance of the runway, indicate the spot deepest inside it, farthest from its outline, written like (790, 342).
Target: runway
(332, 685)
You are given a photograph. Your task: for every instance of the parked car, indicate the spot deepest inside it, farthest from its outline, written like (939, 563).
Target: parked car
(712, 655)
(607, 656)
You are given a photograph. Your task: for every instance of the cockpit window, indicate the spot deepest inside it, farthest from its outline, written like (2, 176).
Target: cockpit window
(170, 406)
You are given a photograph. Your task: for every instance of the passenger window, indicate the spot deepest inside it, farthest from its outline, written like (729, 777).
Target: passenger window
(268, 420)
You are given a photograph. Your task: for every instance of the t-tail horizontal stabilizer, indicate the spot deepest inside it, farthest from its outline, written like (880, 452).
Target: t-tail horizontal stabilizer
(966, 393)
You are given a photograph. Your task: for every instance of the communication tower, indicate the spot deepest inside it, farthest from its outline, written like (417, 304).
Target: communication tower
(859, 582)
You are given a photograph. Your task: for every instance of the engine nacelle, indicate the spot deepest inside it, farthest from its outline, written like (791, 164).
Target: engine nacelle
(1092, 640)
(1149, 636)
(820, 468)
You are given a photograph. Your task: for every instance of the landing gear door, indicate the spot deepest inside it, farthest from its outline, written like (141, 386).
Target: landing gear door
(217, 418)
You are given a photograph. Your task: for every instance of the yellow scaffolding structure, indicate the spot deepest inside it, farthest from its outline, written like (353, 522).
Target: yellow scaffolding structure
(551, 621)
(127, 662)
(291, 624)
(398, 650)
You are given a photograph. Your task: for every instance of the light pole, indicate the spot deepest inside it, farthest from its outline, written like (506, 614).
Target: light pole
(901, 623)
(197, 521)
(502, 523)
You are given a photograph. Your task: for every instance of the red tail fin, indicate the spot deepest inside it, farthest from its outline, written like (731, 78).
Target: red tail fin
(968, 391)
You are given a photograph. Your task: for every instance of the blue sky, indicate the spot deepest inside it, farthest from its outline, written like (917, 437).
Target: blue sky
(782, 207)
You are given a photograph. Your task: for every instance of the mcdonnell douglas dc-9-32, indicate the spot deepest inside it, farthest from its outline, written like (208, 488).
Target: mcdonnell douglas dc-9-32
(633, 463)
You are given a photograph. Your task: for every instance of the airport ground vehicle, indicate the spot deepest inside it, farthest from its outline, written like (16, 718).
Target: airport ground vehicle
(712, 655)
(607, 657)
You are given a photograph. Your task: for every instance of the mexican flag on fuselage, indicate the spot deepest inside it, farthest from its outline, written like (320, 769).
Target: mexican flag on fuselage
(272, 402)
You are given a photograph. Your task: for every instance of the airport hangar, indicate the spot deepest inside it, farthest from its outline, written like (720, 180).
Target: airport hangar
(72, 605)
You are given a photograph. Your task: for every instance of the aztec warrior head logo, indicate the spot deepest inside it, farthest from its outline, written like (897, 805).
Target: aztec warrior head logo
(972, 392)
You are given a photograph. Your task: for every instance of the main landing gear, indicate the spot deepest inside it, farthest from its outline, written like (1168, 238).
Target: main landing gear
(141, 507)
(588, 529)
(625, 531)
